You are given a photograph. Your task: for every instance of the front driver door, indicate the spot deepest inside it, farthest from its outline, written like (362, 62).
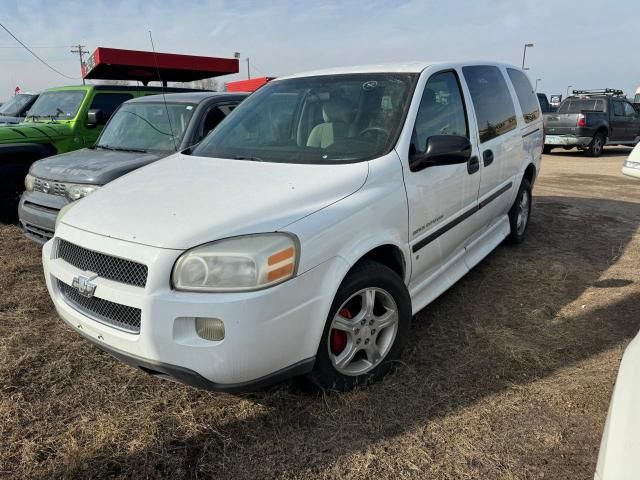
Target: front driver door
(440, 197)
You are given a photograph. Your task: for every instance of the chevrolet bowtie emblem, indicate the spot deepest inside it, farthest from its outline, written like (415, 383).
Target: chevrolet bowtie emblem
(83, 284)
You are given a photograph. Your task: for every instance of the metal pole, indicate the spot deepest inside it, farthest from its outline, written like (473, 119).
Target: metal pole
(524, 53)
(248, 69)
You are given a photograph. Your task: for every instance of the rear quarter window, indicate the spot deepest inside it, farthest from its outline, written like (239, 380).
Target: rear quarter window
(495, 112)
(526, 96)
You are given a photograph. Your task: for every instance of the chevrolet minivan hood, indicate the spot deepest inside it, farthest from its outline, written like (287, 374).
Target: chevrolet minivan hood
(184, 201)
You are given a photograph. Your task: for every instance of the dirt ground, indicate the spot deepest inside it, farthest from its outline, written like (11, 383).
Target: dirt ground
(507, 376)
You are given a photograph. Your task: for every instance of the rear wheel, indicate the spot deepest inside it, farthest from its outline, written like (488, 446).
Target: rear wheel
(520, 213)
(596, 146)
(366, 329)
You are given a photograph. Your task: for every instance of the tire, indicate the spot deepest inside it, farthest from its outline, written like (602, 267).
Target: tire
(520, 214)
(11, 187)
(596, 146)
(547, 149)
(356, 329)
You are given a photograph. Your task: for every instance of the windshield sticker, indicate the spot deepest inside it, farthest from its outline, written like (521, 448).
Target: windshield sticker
(189, 107)
(371, 84)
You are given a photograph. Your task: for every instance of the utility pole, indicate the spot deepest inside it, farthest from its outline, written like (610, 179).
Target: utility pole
(248, 69)
(80, 51)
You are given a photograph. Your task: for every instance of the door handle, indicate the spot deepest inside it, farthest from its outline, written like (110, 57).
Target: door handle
(473, 165)
(487, 157)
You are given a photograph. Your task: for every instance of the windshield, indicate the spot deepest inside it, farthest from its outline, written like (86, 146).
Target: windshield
(577, 105)
(62, 104)
(324, 119)
(15, 105)
(145, 126)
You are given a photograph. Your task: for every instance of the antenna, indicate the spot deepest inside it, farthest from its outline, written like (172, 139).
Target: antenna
(164, 99)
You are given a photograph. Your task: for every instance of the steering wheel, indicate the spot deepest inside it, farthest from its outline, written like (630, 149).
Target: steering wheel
(378, 130)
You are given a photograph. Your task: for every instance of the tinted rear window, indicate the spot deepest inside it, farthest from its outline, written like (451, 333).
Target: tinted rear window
(526, 96)
(495, 112)
(577, 105)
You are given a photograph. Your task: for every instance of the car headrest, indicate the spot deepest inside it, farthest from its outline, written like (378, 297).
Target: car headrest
(337, 110)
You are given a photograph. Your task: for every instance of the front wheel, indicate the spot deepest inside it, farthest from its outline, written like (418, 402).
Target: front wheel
(11, 187)
(366, 329)
(520, 213)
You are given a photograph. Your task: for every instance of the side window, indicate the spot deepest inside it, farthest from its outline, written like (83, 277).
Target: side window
(618, 109)
(109, 102)
(494, 108)
(629, 111)
(441, 111)
(214, 116)
(526, 95)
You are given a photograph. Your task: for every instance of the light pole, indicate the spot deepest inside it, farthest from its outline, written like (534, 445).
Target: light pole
(568, 87)
(537, 80)
(524, 54)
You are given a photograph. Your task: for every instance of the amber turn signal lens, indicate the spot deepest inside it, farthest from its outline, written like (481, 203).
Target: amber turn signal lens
(280, 272)
(281, 256)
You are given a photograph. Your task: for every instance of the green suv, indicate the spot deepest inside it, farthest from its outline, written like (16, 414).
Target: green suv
(61, 120)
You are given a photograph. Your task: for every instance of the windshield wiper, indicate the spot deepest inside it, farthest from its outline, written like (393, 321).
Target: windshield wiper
(134, 150)
(118, 149)
(253, 159)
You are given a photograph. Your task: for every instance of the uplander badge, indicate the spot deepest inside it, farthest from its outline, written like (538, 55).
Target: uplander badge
(84, 286)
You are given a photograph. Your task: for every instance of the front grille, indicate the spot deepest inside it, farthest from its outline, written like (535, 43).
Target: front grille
(113, 314)
(45, 186)
(38, 233)
(106, 266)
(42, 208)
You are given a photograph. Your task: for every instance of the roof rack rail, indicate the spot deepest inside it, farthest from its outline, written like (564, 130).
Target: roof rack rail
(600, 91)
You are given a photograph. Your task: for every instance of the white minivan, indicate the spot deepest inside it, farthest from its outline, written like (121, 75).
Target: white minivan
(302, 235)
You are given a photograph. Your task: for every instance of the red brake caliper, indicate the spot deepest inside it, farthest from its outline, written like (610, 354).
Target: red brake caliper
(338, 338)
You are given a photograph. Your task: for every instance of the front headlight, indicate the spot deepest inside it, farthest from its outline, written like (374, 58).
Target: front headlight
(75, 191)
(631, 164)
(29, 182)
(249, 262)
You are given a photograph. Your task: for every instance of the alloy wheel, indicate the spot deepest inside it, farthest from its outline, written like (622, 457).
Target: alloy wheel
(363, 331)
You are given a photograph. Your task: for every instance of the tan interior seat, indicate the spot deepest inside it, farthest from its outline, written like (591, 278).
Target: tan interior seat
(337, 115)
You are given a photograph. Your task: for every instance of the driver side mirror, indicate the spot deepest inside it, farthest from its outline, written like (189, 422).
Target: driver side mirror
(95, 118)
(441, 150)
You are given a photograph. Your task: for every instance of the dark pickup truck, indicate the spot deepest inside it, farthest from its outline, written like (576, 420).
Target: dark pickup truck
(591, 119)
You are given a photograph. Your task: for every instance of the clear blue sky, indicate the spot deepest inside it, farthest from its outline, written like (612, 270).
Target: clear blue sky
(581, 43)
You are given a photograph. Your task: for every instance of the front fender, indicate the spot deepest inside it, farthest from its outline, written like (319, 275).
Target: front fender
(19, 152)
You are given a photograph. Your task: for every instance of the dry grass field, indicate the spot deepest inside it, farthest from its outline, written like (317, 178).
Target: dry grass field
(507, 376)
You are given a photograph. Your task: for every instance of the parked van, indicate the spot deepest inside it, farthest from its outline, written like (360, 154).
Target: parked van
(302, 235)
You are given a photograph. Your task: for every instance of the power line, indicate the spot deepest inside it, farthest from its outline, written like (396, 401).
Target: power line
(35, 55)
(38, 47)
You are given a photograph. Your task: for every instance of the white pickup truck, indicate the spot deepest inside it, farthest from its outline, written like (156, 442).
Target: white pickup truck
(303, 234)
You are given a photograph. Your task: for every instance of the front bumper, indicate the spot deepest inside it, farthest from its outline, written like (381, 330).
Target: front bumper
(269, 333)
(37, 212)
(567, 140)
